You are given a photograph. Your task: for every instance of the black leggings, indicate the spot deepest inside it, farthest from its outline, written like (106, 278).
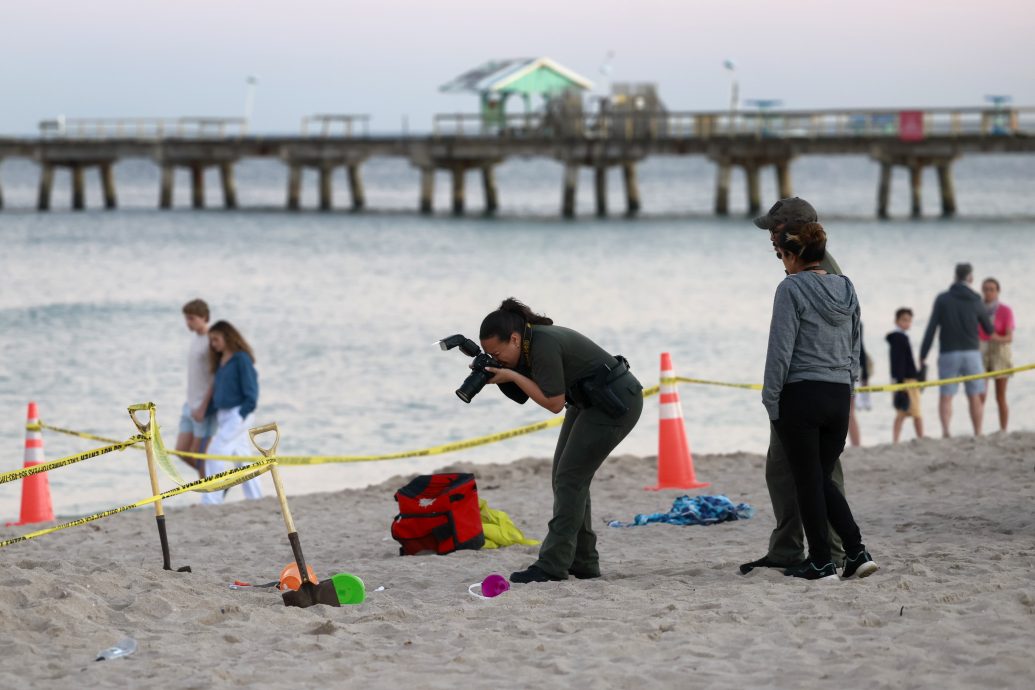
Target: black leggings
(813, 425)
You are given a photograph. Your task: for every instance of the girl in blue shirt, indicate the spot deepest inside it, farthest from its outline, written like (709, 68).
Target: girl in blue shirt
(235, 393)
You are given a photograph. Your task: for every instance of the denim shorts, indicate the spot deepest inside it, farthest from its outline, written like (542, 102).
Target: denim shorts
(961, 363)
(189, 425)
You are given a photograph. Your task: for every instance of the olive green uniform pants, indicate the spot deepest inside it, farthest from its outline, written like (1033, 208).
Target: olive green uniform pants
(587, 438)
(787, 542)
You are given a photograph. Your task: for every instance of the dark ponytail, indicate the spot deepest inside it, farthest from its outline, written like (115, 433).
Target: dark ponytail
(510, 318)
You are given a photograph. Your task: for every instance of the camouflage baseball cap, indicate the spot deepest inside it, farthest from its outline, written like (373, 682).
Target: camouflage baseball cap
(795, 211)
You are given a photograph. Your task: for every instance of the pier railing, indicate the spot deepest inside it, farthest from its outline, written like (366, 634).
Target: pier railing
(950, 122)
(144, 128)
(336, 125)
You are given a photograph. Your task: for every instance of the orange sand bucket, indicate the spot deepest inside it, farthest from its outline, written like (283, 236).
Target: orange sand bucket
(290, 579)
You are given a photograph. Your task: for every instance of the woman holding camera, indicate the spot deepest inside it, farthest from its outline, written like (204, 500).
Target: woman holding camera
(813, 357)
(557, 368)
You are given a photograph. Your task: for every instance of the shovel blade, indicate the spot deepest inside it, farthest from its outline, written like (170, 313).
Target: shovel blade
(309, 594)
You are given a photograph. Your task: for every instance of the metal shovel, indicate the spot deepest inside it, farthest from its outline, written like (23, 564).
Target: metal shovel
(308, 593)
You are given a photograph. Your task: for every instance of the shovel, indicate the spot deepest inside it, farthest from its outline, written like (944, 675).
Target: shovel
(308, 594)
(146, 430)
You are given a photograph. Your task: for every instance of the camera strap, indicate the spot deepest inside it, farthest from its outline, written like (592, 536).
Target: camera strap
(526, 345)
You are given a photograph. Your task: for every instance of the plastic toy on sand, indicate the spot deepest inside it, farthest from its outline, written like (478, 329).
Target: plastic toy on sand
(493, 585)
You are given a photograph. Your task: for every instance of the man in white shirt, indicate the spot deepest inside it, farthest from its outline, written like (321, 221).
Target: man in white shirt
(196, 426)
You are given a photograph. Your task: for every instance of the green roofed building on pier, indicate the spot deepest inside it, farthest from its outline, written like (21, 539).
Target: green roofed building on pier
(497, 80)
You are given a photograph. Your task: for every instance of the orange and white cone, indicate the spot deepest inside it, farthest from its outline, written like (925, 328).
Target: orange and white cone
(675, 463)
(36, 504)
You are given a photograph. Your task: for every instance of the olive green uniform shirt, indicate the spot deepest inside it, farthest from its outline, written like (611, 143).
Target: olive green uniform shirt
(561, 356)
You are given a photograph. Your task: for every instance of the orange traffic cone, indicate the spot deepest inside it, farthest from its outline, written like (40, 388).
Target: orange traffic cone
(36, 505)
(675, 463)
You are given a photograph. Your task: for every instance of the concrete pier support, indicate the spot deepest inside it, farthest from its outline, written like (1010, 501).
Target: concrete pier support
(948, 190)
(722, 189)
(294, 187)
(165, 191)
(226, 175)
(427, 190)
(753, 191)
(600, 185)
(197, 185)
(783, 179)
(326, 187)
(568, 196)
(78, 188)
(356, 187)
(489, 187)
(915, 190)
(632, 189)
(46, 187)
(884, 190)
(107, 174)
(459, 175)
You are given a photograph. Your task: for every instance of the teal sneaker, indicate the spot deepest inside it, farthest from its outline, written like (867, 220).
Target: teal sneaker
(810, 571)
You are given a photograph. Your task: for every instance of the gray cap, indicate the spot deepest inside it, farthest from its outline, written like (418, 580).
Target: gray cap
(792, 211)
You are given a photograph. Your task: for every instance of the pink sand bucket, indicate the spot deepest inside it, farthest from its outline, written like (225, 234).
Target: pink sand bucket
(492, 586)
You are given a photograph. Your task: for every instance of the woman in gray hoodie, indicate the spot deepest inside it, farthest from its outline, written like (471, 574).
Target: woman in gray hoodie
(811, 363)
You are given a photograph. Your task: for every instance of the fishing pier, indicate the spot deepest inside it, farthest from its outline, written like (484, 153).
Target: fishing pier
(459, 144)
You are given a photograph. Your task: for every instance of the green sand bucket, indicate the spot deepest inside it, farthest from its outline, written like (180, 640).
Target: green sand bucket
(349, 588)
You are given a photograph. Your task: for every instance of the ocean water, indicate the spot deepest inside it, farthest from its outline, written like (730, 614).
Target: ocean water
(343, 309)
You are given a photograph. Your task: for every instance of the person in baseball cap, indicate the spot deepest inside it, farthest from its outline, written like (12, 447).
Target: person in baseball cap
(794, 211)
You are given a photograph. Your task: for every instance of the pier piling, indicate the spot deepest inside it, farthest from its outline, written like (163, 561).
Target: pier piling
(884, 190)
(46, 187)
(571, 181)
(197, 185)
(356, 187)
(427, 190)
(948, 191)
(783, 179)
(459, 175)
(326, 187)
(632, 189)
(753, 191)
(722, 189)
(294, 187)
(165, 193)
(915, 189)
(78, 188)
(107, 175)
(489, 187)
(226, 175)
(600, 180)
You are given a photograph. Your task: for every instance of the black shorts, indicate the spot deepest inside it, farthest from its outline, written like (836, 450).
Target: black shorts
(901, 401)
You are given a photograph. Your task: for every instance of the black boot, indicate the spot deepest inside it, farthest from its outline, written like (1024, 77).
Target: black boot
(533, 574)
(584, 573)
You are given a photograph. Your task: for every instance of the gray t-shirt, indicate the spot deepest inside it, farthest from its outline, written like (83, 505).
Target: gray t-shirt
(561, 356)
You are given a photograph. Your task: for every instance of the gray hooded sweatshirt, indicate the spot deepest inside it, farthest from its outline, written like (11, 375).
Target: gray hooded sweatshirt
(814, 335)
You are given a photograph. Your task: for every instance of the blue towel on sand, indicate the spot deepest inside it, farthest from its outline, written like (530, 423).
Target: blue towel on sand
(699, 510)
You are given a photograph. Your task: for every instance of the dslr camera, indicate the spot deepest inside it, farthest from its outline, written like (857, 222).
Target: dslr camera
(474, 383)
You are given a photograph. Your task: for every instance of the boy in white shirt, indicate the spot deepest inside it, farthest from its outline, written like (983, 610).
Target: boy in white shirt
(195, 426)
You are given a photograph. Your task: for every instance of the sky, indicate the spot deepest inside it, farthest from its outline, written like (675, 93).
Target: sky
(387, 58)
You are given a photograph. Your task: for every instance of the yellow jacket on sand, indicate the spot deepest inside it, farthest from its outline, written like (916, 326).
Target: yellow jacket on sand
(499, 529)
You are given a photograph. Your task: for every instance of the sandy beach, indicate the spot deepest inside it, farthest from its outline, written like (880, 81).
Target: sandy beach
(950, 523)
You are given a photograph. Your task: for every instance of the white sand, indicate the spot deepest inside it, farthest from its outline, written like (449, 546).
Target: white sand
(951, 524)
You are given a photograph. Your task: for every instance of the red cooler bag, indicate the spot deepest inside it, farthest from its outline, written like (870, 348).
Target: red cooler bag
(438, 512)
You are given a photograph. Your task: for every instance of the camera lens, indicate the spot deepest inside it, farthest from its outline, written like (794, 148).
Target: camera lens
(472, 385)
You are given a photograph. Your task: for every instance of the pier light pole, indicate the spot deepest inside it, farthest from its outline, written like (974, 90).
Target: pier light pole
(249, 100)
(731, 67)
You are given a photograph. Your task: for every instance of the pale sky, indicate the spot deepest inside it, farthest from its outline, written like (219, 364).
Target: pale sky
(387, 58)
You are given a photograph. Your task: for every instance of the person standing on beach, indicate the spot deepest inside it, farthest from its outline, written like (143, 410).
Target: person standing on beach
(235, 394)
(787, 542)
(561, 369)
(195, 423)
(812, 362)
(995, 348)
(958, 312)
(903, 370)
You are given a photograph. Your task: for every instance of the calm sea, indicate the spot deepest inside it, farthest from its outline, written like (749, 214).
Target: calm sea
(343, 309)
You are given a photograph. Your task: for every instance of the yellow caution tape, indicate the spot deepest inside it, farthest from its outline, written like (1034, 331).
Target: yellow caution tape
(81, 434)
(893, 387)
(69, 460)
(223, 479)
(705, 382)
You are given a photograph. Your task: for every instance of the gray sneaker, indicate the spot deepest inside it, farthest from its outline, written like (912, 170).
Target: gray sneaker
(859, 565)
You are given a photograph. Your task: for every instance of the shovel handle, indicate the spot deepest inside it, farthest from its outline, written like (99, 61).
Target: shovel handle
(256, 431)
(142, 407)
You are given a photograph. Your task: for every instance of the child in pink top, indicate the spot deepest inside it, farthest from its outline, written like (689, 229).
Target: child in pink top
(995, 348)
